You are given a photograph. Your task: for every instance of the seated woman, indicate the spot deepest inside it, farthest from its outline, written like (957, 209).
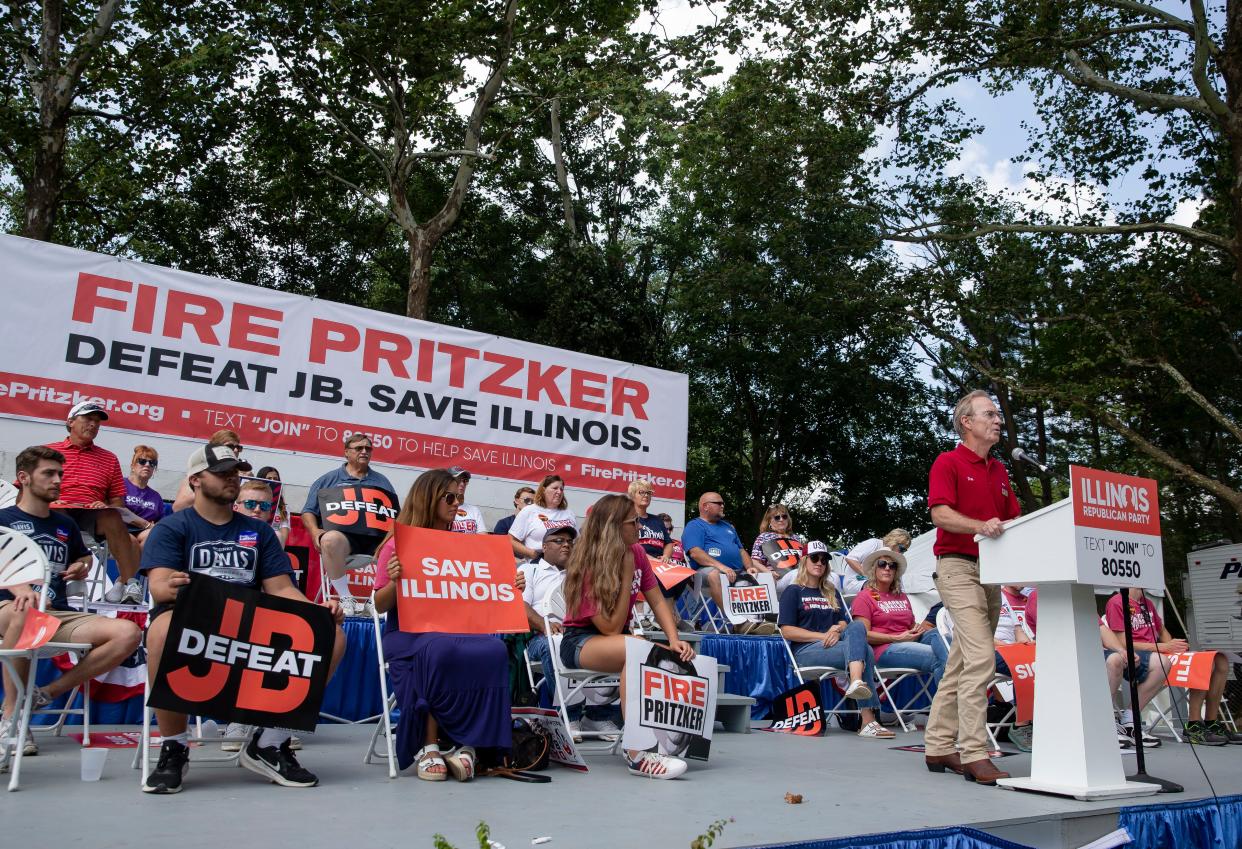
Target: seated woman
(280, 513)
(145, 503)
(777, 547)
(898, 539)
(605, 576)
(813, 620)
(886, 613)
(452, 689)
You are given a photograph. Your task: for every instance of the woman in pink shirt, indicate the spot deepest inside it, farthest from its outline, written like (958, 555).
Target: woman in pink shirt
(605, 576)
(886, 613)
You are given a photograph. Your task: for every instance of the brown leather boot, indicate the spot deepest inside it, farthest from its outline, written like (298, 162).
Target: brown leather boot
(982, 772)
(939, 763)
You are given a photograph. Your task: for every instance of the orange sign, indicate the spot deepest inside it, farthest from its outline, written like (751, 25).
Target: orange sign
(38, 631)
(1191, 669)
(457, 583)
(669, 572)
(361, 580)
(1020, 658)
(1112, 502)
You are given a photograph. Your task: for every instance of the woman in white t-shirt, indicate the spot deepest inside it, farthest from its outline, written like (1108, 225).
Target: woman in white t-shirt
(549, 511)
(898, 539)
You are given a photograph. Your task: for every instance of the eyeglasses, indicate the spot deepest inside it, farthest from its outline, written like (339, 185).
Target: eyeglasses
(251, 504)
(784, 517)
(527, 500)
(234, 447)
(146, 461)
(885, 564)
(989, 414)
(645, 492)
(817, 558)
(558, 540)
(451, 498)
(361, 449)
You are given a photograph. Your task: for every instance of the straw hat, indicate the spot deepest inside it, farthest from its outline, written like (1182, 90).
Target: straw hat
(868, 564)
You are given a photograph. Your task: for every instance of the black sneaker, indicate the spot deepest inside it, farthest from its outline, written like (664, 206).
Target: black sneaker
(1222, 730)
(277, 765)
(172, 766)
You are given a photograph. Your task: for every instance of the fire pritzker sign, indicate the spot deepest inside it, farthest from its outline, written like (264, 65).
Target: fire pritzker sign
(179, 354)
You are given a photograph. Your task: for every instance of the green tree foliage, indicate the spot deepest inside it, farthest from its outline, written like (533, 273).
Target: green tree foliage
(784, 314)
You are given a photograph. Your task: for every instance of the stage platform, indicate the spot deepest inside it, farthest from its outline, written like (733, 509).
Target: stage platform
(849, 787)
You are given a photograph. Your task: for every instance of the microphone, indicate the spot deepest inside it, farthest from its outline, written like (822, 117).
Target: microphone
(1020, 456)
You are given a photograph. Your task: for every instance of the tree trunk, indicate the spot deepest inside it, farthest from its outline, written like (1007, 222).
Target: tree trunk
(419, 285)
(42, 191)
(562, 173)
(1230, 63)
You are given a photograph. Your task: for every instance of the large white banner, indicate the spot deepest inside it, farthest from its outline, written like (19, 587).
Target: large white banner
(183, 355)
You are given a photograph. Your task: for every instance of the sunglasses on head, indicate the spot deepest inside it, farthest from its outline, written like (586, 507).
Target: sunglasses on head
(146, 461)
(885, 564)
(251, 504)
(817, 558)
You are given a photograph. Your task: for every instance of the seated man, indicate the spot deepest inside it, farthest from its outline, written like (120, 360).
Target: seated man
(1203, 725)
(257, 561)
(336, 547)
(714, 550)
(93, 482)
(39, 473)
(542, 579)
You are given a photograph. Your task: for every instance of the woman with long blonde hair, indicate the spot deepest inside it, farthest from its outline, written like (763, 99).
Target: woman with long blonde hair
(605, 576)
(814, 622)
(453, 689)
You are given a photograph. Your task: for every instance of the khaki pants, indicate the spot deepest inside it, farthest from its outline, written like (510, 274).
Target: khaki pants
(960, 709)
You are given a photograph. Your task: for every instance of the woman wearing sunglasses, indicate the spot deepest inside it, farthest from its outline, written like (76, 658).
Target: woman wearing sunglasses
(143, 501)
(886, 613)
(452, 689)
(814, 622)
(898, 540)
(777, 547)
(550, 510)
(606, 574)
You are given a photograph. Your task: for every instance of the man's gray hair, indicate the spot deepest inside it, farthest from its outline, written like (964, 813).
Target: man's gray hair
(964, 408)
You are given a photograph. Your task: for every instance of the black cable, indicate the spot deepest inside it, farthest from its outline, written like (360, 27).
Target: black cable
(1125, 609)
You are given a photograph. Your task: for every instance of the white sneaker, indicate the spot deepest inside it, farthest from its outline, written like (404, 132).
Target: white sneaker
(575, 731)
(8, 728)
(605, 727)
(295, 743)
(235, 729)
(655, 765)
(1124, 741)
(348, 606)
(134, 592)
(858, 691)
(115, 593)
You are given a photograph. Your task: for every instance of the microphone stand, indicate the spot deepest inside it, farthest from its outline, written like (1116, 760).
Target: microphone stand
(1136, 722)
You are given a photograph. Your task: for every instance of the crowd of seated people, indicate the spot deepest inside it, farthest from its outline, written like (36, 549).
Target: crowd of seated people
(453, 689)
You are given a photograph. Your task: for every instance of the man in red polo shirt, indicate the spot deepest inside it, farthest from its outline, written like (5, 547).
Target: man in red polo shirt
(968, 493)
(93, 481)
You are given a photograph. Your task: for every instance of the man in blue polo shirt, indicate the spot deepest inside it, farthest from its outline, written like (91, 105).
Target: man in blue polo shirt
(714, 548)
(335, 547)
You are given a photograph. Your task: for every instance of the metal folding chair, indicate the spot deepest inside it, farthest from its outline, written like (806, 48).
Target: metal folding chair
(571, 683)
(818, 674)
(22, 561)
(388, 700)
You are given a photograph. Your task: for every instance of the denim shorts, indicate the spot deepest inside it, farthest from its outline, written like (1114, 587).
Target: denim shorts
(1140, 669)
(571, 645)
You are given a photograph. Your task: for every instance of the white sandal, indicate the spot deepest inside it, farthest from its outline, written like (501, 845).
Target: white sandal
(858, 690)
(876, 731)
(461, 763)
(427, 758)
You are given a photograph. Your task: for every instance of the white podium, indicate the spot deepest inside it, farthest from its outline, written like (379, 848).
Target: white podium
(1065, 550)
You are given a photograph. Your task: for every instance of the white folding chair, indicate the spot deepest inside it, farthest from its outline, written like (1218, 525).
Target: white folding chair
(572, 683)
(22, 561)
(707, 608)
(889, 677)
(388, 700)
(818, 674)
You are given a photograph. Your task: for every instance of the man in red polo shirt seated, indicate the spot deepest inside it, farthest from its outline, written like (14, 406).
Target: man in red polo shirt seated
(93, 482)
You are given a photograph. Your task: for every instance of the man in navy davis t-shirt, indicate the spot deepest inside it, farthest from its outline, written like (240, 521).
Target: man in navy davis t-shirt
(39, 473)
(210, 539)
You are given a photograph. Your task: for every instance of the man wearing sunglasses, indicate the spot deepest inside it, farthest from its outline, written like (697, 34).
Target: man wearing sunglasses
(715, 549)
(335, 547)
(968, 493)
(524, 497)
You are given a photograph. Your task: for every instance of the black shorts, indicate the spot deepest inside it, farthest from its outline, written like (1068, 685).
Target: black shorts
(362, 543)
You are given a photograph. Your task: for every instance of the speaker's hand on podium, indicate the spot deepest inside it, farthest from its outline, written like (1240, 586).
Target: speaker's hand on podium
(992, 528)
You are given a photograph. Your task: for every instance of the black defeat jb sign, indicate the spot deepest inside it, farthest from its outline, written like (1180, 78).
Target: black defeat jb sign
(365, 510)
(240, 655)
